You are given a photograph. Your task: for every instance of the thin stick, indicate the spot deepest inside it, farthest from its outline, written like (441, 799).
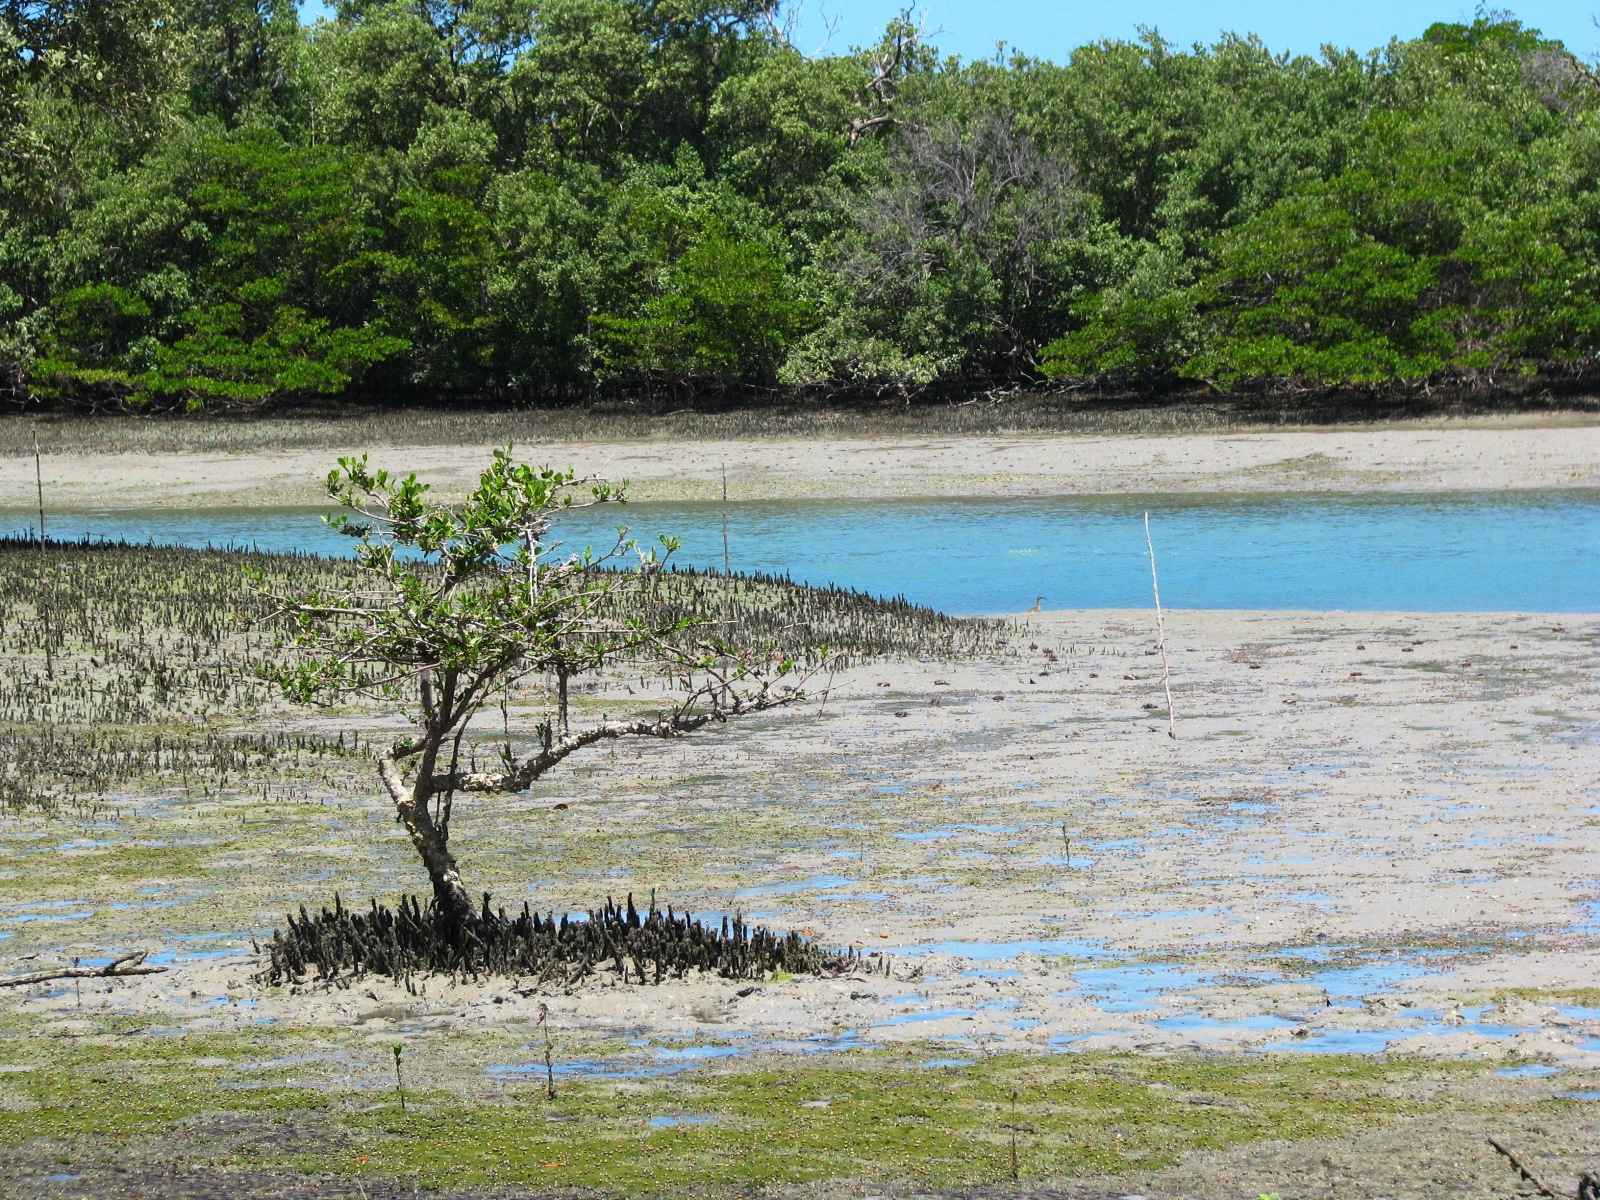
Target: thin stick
(117, 968)
(1015, 1173)
(44, 604)
(727, 571)
(1161, 632)
(826, 692)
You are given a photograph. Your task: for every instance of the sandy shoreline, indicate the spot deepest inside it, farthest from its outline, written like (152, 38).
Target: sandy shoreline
(1462, 456)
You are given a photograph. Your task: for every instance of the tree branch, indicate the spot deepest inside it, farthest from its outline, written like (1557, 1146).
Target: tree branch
(117, 968)
(674, 725)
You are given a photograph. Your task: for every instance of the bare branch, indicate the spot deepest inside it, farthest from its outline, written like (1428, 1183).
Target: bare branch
(889, 66)
(674, 725)
(117, 968)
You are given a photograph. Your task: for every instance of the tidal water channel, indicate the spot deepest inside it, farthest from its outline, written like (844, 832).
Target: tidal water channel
(1438, 552)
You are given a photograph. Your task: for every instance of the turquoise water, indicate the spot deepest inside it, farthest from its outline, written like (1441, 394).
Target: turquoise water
(1531, 551)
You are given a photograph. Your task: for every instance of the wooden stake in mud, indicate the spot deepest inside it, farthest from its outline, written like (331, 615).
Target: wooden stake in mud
(727, 569)
(44, 603)
(1161, 633)
(1016, 1173)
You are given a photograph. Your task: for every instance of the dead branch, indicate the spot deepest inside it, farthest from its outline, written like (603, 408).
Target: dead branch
(117, 968)
(888, 66)
(1543, 1188)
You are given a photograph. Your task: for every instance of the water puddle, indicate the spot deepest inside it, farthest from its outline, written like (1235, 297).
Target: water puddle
(941, 832)
(1378, 1041)
(1343, 1041)
(672, 1120)
(991, 951)
(1196, 1022)
(674, 1054)
(1133, 987)
(174, 902)
(817, 883)
(913, 1018)
(45, 910)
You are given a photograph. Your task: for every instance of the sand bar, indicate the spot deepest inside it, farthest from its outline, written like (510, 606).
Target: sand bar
(1455, 456)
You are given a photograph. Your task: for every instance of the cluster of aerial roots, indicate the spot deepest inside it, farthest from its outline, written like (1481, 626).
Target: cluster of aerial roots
(340, 944)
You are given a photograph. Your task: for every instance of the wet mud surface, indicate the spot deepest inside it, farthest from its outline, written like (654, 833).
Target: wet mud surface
(1351, 850)
(1374, 835)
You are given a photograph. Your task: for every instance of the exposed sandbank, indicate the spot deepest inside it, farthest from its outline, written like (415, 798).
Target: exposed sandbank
(1467, 455)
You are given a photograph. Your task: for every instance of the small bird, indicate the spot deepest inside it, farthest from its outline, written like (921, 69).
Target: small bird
(1037, 601)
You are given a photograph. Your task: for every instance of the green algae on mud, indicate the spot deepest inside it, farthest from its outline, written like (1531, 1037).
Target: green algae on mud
(886, 1115)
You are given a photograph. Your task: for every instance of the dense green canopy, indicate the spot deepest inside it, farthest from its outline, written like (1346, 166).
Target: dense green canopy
(208, 203)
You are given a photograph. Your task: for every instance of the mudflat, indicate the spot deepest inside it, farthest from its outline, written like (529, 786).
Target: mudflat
(1374, 831)
(1374, 834)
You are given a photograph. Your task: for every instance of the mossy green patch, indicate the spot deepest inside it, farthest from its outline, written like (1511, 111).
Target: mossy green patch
(144, 863)
(1581, 997)
(884, 1115)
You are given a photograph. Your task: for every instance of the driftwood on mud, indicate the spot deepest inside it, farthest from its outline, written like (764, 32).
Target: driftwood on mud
(117, 968)
(1588, 1185)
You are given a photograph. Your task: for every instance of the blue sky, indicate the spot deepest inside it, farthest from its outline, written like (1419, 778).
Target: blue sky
(1051, 28)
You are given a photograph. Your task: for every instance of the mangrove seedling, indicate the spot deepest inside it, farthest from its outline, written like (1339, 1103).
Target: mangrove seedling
(549, 1053)
(399, 1080)
(454, 603)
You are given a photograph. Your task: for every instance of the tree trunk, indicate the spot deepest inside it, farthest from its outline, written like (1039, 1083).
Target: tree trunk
(561, 698)
(450, 895)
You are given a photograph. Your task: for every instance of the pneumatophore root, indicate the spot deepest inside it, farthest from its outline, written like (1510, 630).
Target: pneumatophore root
(341, 943)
